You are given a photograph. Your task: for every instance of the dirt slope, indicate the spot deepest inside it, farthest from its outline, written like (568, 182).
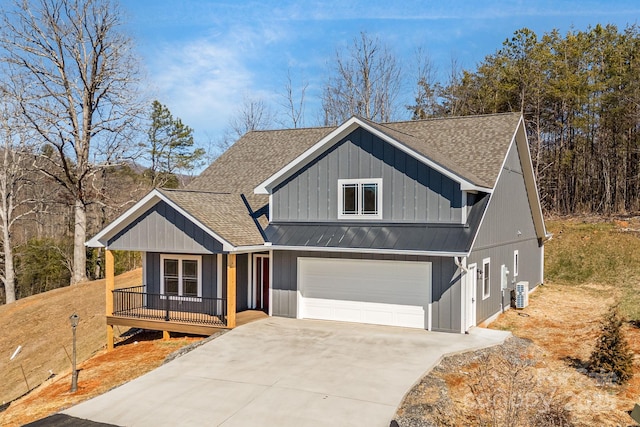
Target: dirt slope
(104, 371)
(40, 324)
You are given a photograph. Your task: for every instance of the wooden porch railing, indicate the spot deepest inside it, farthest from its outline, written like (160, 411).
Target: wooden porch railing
(133, 302)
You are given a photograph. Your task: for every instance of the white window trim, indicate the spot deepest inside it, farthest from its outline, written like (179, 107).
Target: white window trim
(516, 263)
(486, 261)
(359, 182)
(181, 258)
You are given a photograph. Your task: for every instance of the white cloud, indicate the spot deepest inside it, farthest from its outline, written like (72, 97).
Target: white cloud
(200, 80)
(204, 57)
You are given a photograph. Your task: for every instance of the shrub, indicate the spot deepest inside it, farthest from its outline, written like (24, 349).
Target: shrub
(612, 355)
(507, 393)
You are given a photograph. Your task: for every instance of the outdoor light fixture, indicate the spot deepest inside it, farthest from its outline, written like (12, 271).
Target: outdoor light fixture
(74, 319)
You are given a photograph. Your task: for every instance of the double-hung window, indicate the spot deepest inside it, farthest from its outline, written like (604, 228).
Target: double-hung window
(486, 278)
(181, 275)
(360, 198)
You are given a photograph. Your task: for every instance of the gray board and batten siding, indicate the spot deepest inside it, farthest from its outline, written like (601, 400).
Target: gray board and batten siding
(445, 284)
(164, 229)
(507, 226)
(411, 191)
(209, 276)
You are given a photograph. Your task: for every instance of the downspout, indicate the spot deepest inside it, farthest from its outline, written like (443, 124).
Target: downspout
(456, 260)
(465, 270)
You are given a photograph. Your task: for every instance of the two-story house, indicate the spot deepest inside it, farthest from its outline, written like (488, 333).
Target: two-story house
(426, 224)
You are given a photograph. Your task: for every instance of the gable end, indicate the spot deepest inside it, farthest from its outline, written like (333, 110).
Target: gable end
(410, 190)
(163, 229)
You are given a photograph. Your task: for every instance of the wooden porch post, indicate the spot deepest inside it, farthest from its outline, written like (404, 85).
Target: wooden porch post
(231, 290)
(110, 286)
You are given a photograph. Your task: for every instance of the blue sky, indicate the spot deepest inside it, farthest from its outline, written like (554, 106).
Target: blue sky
(203, 57)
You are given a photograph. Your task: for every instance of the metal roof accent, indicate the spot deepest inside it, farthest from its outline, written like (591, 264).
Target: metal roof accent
(383, 237)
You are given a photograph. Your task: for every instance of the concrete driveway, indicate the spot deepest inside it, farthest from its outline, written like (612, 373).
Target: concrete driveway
(285, 372)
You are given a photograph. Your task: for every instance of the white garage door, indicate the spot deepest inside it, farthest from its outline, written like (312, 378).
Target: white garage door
(396, 293)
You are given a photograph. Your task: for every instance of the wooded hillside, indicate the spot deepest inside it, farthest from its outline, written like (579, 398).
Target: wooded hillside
(580, 95)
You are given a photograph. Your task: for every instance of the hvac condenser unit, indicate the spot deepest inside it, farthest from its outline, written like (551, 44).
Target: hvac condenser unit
(522, 294)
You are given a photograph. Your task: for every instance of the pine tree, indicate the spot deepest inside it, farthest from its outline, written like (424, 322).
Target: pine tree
(612, 353)
(171, 148)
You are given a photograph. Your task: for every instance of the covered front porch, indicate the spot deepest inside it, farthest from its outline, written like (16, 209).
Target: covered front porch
(138, 307)
(204, 261)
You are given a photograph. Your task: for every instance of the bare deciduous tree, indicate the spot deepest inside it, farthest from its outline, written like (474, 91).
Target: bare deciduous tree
(294, 103)
(428, 91)
(16, 157)
(366, 81)
(78, 91)
(253, 114)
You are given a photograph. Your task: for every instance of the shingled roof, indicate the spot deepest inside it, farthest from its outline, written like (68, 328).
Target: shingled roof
(472, 148)
(475, 146)
(255, 157)
(223, 213)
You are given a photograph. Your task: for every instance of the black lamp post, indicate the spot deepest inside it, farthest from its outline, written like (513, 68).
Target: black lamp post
(74, 319)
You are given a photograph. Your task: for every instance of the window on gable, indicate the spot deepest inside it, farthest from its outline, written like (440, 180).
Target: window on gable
(360, 198)
(180, 275)
(486, 278)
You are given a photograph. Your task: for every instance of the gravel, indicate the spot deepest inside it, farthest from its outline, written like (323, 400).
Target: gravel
(428, 403)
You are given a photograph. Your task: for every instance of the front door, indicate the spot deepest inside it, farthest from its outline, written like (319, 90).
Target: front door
(470, 296)
(261, 282)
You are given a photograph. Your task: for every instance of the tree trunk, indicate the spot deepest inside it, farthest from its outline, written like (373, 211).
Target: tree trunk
(79, 237)
(9, 273)
(97, 270)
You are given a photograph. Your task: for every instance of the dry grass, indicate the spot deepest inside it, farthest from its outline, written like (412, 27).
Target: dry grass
(598, 257)
(99, 374)
(40, 324)
(564, 323)
(589, 266)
